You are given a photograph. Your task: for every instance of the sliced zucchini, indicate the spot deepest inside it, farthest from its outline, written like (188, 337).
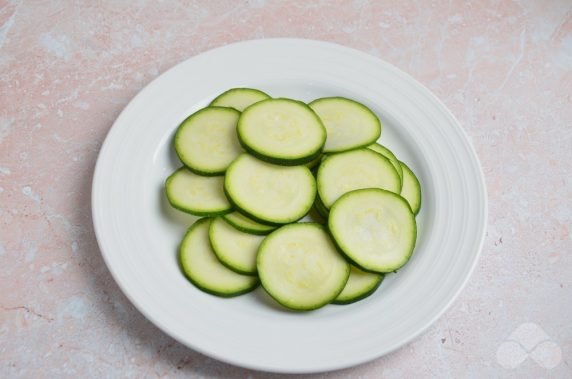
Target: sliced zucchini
(239, 98)
(247, 225)
(234, 249)
(269, 193)
(374, 228)
(321, 208)
(300, 267)
(206, 141)
(314, 163)
(362, 168)
(389, 155)
(360, 285)
(411, 189)
(349, 124)
(315, 216)
(281, 131)
(196, 194)
(203, 269)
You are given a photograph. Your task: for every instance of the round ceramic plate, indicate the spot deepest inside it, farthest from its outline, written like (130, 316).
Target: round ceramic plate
(138, 232)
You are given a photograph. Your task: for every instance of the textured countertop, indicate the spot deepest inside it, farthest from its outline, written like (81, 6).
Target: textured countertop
(67, 69)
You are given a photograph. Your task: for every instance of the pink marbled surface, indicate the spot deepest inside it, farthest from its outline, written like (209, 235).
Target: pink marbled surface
(68, 68)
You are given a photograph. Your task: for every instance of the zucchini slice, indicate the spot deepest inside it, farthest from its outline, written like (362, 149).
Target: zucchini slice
(362, 168)
(245, 224)
(389, 155)
(314, 163)
(374, 228)
(360, 285)
(239, 98)
(196, 194)
(234, 249)
(206, 141)
(203, 269)
(349, 124)
(300, 267)
(281, 131)
(321, 208)
(315, 216)
(269, 193)
(411, 189)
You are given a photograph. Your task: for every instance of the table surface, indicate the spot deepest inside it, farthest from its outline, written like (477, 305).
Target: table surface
(68, 68)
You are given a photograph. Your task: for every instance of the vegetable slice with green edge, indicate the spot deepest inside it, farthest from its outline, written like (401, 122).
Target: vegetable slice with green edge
(360, 285)
(235, 249)
(281, 131)
(203, 269)
(239, 98)
(362, 168)
(316, 162)
(321, 208)
(349, 124)
(206, 141)
(196, 194)
(300, 267)
(389, 155)
(374, 228)
(269, 193)
(411, 189)
(247, 225)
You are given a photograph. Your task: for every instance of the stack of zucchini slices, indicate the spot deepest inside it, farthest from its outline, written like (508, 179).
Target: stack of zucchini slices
(255, 166)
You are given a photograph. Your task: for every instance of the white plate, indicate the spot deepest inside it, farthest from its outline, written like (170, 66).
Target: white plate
(138, 232)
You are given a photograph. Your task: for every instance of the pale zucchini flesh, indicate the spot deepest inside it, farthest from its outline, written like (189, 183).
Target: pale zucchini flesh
(360, 285)
(374, 228)
(203, 269)
(196, 194)
(269, 193)
(239, 98)
(389, 155)
(349, 124)
(234, 249)
(411, 189)
(247, 225)
(300, 267)
(282, 131)
(361, 168)
(206, 142)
